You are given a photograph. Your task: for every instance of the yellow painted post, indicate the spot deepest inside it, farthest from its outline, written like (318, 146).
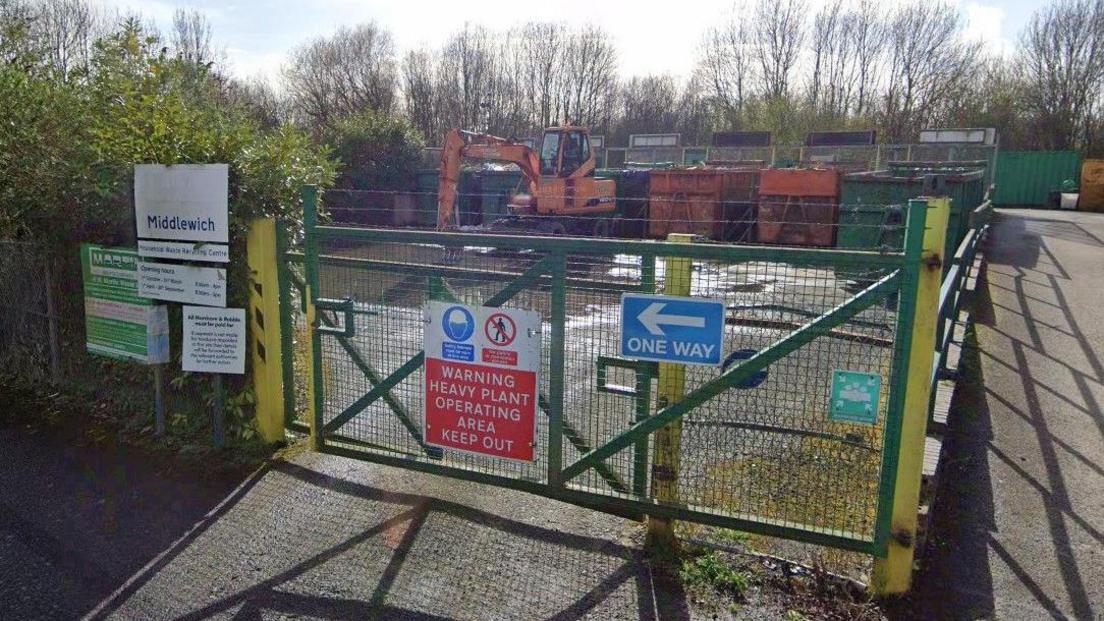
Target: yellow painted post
(264, 329)
(893, 574)
(672, 387)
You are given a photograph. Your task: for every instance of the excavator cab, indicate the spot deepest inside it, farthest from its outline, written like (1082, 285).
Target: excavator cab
(559, 180)
(563, 151)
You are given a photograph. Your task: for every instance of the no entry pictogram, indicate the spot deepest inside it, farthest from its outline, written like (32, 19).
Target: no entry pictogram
(500, 329)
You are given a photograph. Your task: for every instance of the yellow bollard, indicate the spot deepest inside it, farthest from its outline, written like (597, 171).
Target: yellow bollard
(671, 389)
(264, 329)
(893, 574)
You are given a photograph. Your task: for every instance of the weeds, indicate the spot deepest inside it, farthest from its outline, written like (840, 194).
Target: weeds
(710, 570)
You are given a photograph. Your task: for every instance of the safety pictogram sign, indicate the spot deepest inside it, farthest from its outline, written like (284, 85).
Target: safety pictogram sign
(481, 379)
(854, 397)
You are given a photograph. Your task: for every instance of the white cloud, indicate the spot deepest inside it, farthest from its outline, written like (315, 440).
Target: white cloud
(984, 23)
(248, 64)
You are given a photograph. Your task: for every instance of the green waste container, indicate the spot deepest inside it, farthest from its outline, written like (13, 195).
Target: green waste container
(632, 200)
(494, 188)
(873, 206)
(426, 182)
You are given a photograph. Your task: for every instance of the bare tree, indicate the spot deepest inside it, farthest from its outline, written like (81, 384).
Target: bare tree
(929, 60)
(649, 104)
(541, 47)
(340, 75)
(778, 33)
(1062, 53)
(868, 39)
(420, 97)
(467, 77)
(728, 67)
(191, 37)
(259, 99)
(695, 121)
(590, 68)
(55, 36)
(836, 75)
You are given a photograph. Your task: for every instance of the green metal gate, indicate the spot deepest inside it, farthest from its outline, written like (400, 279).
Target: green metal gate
(758, 457)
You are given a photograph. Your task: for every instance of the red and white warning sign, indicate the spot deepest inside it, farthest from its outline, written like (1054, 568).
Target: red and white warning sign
(481, 378)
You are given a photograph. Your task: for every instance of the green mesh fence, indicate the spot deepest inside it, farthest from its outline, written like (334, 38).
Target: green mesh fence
(763, 458)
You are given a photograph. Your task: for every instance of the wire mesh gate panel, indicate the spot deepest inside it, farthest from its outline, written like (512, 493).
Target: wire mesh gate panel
(764, 459)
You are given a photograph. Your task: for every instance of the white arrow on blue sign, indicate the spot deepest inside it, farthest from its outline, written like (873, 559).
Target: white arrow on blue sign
(663, 328)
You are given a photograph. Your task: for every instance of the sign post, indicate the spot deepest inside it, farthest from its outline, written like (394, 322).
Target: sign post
(675, 331)
(181, 212)
(481, 379)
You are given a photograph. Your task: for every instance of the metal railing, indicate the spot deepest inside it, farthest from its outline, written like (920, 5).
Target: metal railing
(953, 294)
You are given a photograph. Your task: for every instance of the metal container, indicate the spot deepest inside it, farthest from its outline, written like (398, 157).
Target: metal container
(483, 196)
(1026, 178)
(713, 203)
(426, 183)
(1092, 186)
(872, 206)
(798, 207)
(491, 191)
(632, 200)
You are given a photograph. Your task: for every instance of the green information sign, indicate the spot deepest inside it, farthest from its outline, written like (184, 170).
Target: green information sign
(118, 323)
(855, 397)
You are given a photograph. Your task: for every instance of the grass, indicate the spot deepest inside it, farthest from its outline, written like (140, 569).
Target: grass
(709, 570)
(102, 419)
(815, 481)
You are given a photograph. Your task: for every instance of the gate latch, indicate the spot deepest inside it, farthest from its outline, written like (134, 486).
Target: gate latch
(644, 372)
(345, 307)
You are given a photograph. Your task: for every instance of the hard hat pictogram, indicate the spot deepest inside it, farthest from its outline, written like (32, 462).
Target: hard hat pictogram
(457, 323)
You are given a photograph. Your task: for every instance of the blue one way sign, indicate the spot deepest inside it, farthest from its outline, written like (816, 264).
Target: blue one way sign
(672, 329)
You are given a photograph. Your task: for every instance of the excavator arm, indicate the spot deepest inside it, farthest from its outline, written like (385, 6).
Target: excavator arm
(459, 144)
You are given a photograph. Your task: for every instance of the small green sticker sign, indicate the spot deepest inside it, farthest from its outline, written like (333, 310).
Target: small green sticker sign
(117, 322)
(855, 397)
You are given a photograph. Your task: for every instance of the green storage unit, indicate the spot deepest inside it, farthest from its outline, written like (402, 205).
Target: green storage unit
(426, 182)
(489, 193)
(484, 195)
(1026, 178)
(693, 156)
(872, 207)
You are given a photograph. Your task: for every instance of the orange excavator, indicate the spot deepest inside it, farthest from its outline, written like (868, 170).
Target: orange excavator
(562, 196)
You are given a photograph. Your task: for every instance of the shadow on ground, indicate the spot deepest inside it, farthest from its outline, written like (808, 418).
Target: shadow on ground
(76, 521)
(304, 542)
(980, 565)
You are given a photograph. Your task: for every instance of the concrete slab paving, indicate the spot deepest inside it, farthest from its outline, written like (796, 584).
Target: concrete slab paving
(1020, 527)
(319, 536)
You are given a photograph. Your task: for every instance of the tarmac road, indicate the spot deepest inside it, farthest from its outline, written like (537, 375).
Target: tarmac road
(76, 522)
(1020, 532)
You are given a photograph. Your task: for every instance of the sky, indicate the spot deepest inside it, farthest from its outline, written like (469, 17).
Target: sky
(257, 34)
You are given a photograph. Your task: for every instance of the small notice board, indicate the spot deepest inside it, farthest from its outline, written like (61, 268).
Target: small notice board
(214, 340)
(118, 323)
